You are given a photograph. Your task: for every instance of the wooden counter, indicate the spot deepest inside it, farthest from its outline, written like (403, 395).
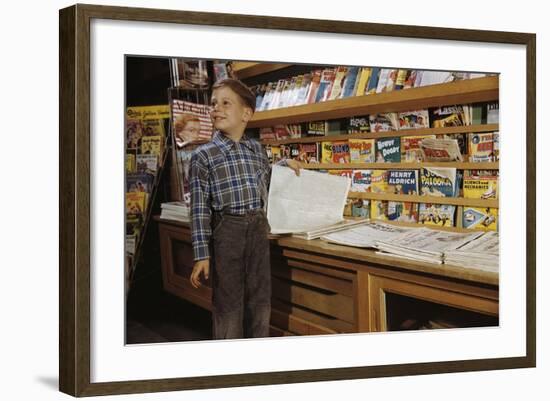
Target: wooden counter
(322, 288)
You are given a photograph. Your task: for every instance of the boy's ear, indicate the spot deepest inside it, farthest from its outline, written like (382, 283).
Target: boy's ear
(247, 115)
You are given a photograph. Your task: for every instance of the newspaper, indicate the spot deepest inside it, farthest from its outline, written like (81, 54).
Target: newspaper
(426, 243)
(177, 210)
(311, 201)
(365, 236)
(482, 253)
(440, 150)
(343, 225)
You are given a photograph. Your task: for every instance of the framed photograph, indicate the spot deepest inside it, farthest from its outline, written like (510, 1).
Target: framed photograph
(360, 340)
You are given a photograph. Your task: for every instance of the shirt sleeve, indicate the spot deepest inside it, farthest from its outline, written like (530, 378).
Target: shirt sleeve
(200, 206)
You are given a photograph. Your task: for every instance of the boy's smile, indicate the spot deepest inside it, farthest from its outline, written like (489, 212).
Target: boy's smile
(228, 113)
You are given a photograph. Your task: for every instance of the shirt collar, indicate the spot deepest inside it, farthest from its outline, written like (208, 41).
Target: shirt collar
(226, 144)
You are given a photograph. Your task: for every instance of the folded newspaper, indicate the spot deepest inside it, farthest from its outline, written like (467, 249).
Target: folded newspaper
(425, 244)
(302, 204)
(481, 253)
(366, 235)
(440, 150)
(177, 210)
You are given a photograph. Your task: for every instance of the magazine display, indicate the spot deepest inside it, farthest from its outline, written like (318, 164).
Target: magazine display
(440, 150)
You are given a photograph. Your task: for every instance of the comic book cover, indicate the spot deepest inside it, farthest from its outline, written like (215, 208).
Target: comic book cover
(139, 182)
(361, 180)
(191, 74)
(364, 76)
(133, 133)
(325, 85)
(436, 215)
(388, 150)
(267, 133)
(480, 146)
(276, 153)
(449, 116)
(379, 181)
(480, 218)
(360, 208)
(152, 127)
(379, 210)
(136, 202)
(410, 79)
(316, 128)
(415, 119)
(480, 184)
(342, 173)
(281, 132)
(147, 163)
(357, 125)
(151, 145)
(403, 182)
(361, 150)
(403, 211)
(338, 85)
(340, 152)
(438, 181)
(309, 152)
(386, 81)
(410, 148)
(313, 86)
(294, 150)
(350, 82)
(130, 163)
(185, 113)
(440, 150)
(460, 139)
(326, 152)
(373, 81)
(301, 93)
(496, 146)
(383, 122)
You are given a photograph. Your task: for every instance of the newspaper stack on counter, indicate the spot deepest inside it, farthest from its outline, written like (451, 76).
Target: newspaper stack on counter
(366, 235)
(178, 211)
(482, 253)
(319, 232)
(425, 244)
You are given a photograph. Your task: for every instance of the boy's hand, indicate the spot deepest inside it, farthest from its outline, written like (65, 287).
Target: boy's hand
(294, 165)
(200, 266)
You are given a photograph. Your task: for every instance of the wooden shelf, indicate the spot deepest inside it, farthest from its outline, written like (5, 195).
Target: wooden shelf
(375, 135)
(492, 203)
(401, 166)
(459, 92)
(245, 70)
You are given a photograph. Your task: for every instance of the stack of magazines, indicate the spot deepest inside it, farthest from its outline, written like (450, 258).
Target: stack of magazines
(425, 245)
(481, 253)
(178, 211)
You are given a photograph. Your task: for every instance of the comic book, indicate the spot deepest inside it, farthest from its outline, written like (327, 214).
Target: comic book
(153, 127)
(402, 211)
(403, 182)
(267, 133)
(461, 140)
(200, 111)
(480, 218)
(357, 125)
(379, 210)
(350, 82)
(373, 81)
(130, 163)
(152, 145)
(309, 152)
(364, 76)
(360, 208)
(388, 150)
(480, 147)
(440, 150)
(383, 122)
(496, 146)
(361, 150)
(436, 215)
(361, 180)
(449, 116)
(438, 181)
(316, 128)
(401, 78)
(415, 119)
(326, 152)
(313, 86)
(276, 153)
(379, 181)
(139, 182)
(136, 202)
(343, 173)
(338, 85)
(146, 163)
(133, 133)
(340, 152)
(410, 148)
(325, 84)
(480, 184)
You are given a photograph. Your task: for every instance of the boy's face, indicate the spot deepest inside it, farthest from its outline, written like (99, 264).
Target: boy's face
(229, 114)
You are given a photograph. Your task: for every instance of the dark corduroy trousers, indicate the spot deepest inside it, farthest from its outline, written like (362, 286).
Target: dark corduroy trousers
(241, 280)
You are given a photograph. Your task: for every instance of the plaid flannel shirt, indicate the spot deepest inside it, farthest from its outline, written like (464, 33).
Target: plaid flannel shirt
(226, 176)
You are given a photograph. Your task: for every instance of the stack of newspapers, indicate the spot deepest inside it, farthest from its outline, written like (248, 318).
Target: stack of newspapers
(365, 235)
(178, 211)
(481, 253)
(424, 244)
(323, 230)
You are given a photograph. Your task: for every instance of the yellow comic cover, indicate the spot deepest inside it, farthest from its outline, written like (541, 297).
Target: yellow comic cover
(149, 112)
(151, 145)
(480, 185)
(379, 210)
(136, 202)
(326, 152)
(480, 218)
(361, 150)
(379, 181)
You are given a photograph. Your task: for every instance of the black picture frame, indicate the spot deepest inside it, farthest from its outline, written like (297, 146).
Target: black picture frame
(74, 203)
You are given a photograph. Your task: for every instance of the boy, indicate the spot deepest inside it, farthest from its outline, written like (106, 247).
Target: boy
(229, 181)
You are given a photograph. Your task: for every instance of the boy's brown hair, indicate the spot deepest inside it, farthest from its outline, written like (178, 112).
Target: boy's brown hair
(246, 95)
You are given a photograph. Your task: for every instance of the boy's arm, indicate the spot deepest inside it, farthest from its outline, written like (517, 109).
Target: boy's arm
(200, 208)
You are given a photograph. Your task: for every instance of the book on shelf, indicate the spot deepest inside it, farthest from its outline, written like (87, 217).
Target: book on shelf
(314, 86)
(342, 173)
(349, 85)
(379, 181)
(410, 148)
(415, 119)
(400, 79)
(357, 125)
(386, 82)
(361, 180)
(361, 150)
(153, 127)
(402, 182)
(340, 152)
(480, 218)
(373, 81)
(450, 116)
(410, 79)
(302, 91)
(440, 150)
(496, 146)
(362, 81)
(338, 84)
(139, 182)
(383, 122)
(221, 71)
(480, 184)
(436, 214)
(316, 128)
(388, 150)
(326, 152)
(146, 163)
(309, 152)
(480, 147)
(461, 140)
(402, 211)
(439, 181)
(325, 84)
